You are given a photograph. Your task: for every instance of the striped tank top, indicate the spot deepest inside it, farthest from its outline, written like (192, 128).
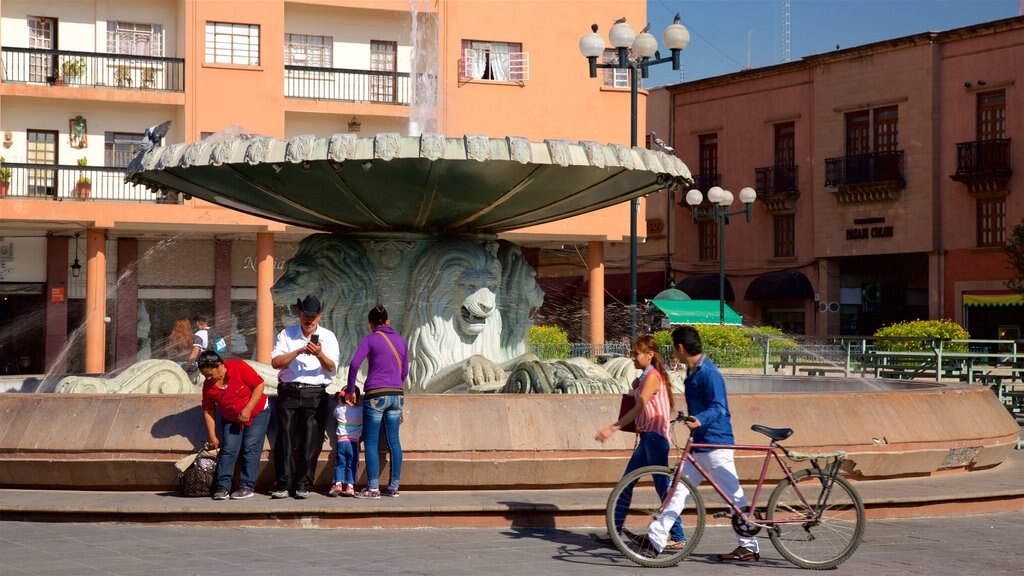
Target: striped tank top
(657, 411)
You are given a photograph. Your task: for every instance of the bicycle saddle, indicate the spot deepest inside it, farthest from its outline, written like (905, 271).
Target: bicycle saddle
(773, 433)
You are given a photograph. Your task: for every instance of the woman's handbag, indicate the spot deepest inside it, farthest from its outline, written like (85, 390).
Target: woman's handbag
(198, 471)
(627, 404)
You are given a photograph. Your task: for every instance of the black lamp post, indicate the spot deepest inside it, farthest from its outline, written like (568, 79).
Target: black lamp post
(719, 210)
(622, 37)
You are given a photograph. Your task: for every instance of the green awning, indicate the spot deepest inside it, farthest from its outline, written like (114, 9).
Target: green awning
(696, 312)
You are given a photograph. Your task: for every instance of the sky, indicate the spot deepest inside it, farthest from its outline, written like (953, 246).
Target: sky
(719, 29)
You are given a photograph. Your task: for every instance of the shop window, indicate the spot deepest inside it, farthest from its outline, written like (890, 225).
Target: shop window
(789, 320)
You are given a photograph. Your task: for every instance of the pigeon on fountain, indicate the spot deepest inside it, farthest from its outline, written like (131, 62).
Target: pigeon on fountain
(661, 144)
(621, 20)
(153, 135)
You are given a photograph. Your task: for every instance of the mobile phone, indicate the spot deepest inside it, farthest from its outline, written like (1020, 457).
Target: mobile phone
(315, 338)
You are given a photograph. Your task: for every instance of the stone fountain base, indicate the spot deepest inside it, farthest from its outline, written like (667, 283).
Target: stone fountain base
(889, 428)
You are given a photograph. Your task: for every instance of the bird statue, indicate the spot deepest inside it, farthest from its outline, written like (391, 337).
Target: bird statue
(621, 20)
(661, 144)
(153, 135)
(646, 28)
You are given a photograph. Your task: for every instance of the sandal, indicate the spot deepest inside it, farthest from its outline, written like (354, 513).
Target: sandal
(675, 545)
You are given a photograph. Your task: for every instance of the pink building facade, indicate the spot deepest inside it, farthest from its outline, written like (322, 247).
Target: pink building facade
(884, 178)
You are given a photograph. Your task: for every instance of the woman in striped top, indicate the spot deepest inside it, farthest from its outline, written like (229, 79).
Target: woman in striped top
(653, 410)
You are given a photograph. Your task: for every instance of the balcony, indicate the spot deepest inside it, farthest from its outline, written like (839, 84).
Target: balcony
(345, 85)
(984, 165)
(66, 68)
(56, 182)
(777, 187)
(860, 178)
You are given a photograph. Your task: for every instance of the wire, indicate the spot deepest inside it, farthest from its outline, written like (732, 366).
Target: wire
(698, 34)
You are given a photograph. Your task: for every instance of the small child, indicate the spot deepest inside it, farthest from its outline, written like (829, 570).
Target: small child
(350, 430)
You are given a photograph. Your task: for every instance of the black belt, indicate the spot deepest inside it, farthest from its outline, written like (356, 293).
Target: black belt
(300, 385)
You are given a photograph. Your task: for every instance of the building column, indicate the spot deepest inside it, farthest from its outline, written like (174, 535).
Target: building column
(222, 288)
(595, 270)
(95, 301)
(264, 300)
(56, 304)
(126, 343)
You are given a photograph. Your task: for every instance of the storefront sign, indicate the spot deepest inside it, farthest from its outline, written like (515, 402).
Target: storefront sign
(57, 295)
(869, 232)
(249, 263)
(22, 259)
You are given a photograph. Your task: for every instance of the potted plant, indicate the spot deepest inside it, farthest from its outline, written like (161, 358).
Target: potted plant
(73, 68)
(5, 178)
(84, 185)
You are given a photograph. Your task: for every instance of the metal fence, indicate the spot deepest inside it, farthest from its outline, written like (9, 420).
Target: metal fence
(69, 68)
(347, 85)
(864, 168)
(83, 183)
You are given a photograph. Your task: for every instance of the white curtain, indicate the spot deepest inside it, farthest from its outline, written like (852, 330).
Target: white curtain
(501, 63)
(476, 63)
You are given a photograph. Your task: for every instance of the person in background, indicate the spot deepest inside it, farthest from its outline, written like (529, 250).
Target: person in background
(200, 340)
(383, 398)
(307, 356)
(236, 390)
(652, 412)
(350, 428)
(711, 423)
(180, 343)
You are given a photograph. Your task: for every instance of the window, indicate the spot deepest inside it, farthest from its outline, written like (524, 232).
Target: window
(382, 59)
(614, 77)
(498, 61)
(228, 43)
(308, 50)
(708, 152)
(785, 235)
(41, 34)
(41, 148)
(991, 221)
(992, 116)
(708, 241)
(887, 129)
(119, 148)
(785, 144)
(858, 124)
(135, 39)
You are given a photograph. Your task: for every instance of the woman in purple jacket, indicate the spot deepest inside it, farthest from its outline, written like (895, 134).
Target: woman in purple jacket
(383, 398)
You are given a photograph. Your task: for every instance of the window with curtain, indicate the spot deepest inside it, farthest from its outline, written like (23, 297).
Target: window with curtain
(228, 43)
(135, 39)
(119, 148)
(498, 61)
(309, 50)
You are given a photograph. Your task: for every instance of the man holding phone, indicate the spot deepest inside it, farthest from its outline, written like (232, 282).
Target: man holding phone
(307, 356)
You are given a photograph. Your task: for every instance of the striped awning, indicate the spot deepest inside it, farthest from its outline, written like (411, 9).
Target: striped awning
(993, 298)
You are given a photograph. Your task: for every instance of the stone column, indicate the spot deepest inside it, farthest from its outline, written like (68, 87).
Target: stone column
(264, 301)
(57, 272)
(595, 269)
(222, 288)
(126, 349)
(95, 301)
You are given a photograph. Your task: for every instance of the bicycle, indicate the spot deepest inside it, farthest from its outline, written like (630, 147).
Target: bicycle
(814, 517)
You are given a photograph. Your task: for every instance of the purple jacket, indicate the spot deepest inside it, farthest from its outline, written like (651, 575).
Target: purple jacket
(384, 370)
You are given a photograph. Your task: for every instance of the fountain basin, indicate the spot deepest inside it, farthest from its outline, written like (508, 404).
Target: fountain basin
(889, 428)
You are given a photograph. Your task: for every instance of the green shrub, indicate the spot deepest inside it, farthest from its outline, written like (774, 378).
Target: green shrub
(548, 342)
(923, 331)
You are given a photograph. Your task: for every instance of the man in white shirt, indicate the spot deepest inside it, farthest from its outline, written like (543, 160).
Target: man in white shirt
(307, 357)
(201, 340)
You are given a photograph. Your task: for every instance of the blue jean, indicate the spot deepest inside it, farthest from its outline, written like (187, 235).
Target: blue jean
(652, 450)
(346, 462)
(388, 409)
(249, 441)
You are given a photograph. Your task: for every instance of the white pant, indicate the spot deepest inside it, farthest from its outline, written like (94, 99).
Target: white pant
(720, 466)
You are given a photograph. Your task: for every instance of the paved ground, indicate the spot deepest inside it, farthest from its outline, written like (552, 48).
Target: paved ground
(961, 546)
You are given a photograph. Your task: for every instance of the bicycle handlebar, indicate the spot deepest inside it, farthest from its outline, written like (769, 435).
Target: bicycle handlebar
(681, 417)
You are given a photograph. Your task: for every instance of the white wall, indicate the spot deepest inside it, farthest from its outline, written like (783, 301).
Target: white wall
(352, 31)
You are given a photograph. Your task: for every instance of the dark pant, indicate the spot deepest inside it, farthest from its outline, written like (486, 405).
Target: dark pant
(249, 441)
(301, 418)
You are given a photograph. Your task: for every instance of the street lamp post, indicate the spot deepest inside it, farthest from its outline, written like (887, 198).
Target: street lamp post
(622, 37)
(719, 210)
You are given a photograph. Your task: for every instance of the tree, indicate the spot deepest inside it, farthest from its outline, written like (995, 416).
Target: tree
(1015, 253)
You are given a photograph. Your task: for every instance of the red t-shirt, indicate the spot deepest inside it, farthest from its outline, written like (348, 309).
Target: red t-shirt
(239, 382)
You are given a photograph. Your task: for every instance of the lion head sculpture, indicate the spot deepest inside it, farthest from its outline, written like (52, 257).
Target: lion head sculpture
(337, 271)
(452, 307)
(519, 298)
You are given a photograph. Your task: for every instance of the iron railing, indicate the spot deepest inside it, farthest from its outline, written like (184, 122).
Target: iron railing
(778, 179)
(69, 68)
(84, 183)
(983, 157)
(347, 85)
(864, 168)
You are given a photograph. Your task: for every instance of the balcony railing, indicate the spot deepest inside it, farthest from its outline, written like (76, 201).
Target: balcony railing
(347, 85)
(984, 157)
(778, 179)
(75, 183)
(865, 169)
(67, 68)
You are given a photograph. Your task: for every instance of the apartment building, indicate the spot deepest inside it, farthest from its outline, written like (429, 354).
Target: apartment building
(884, 179)
(109, 267)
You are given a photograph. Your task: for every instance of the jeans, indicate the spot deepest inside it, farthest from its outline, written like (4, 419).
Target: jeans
(652, 450)
(389, 409)
(346, 462)
(249, 441)
(301, 418)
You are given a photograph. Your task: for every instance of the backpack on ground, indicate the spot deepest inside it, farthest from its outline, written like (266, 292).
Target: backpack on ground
(215, 341)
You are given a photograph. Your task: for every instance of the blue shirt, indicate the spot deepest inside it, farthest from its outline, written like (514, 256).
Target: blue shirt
(707, 402)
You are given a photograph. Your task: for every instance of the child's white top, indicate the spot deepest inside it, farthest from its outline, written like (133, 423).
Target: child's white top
(350, 422)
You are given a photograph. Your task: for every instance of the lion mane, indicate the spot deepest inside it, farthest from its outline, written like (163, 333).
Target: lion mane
(452, 307)
(519, 299)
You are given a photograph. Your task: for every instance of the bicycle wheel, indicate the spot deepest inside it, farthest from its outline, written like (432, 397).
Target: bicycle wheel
(828, 527)
(633, 506)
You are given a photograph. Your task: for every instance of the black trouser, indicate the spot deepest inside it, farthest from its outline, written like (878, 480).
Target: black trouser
(301, 418)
